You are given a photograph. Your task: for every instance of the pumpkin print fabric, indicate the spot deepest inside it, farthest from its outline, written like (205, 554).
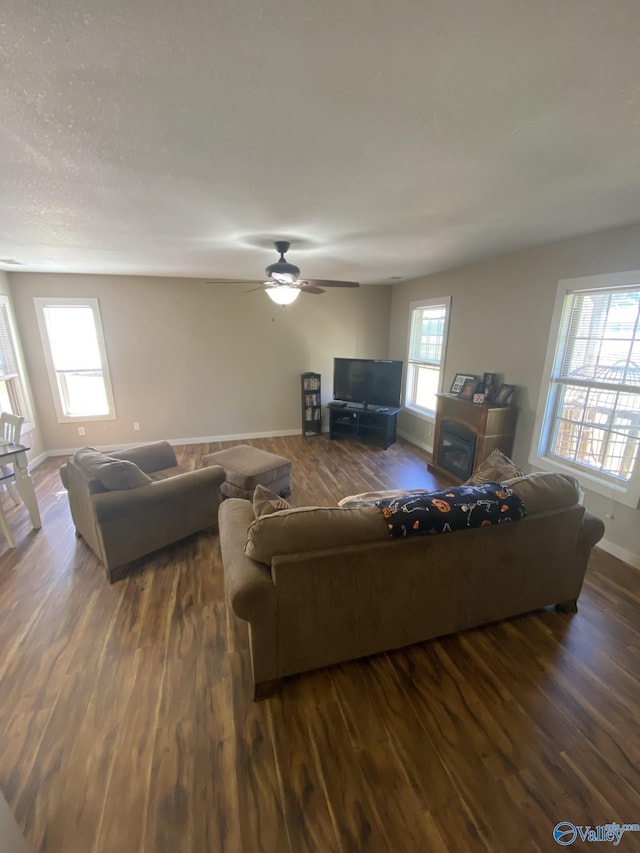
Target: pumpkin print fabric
(457, 508)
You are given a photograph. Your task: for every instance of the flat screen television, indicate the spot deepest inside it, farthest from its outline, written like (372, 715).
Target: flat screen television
(372, 381)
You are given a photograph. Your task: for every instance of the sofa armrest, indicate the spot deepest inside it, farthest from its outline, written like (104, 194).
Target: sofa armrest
(249, 585)
(590, 534)
(149, 457)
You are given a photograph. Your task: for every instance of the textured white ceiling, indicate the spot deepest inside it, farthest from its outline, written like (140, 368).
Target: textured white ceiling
(381, 138)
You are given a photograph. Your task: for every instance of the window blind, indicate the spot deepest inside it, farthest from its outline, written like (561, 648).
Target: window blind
(427, 335)
(8, 362)
(599, 342)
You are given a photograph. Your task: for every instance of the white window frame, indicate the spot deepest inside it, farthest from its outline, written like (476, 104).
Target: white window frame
(19, 393)
(413, 365)
(41, 303)
(627, 493)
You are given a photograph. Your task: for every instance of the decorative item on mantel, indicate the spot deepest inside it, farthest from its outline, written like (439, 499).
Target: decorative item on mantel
(503, 395)
(490, 391)
(489, 385)
(459, 380)
(468, 389)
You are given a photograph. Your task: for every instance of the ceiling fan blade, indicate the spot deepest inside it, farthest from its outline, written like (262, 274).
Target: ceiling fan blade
(305, 287)
(321, 282)
(263, 286)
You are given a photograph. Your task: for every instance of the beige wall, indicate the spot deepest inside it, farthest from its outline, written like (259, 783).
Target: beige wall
(500, 316)
(194, 361)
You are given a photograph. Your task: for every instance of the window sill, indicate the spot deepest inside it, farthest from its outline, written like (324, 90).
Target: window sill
(420, 413)
(79, 419)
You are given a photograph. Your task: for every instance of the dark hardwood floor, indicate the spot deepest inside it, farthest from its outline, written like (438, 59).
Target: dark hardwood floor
(127, 722)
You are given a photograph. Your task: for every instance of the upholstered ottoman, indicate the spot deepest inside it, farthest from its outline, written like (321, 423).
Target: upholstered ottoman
(246, 467)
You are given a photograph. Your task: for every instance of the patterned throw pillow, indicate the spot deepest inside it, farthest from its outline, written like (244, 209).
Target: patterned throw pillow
(458, 508)
(496, 468)
(265, 501)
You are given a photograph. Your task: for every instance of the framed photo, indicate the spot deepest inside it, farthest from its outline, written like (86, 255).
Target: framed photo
(488, 385)
(503, 394)
(469, 389)
(478, 399)
(458, 382)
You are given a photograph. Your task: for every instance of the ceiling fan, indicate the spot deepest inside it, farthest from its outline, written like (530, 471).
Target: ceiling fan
(284, 285)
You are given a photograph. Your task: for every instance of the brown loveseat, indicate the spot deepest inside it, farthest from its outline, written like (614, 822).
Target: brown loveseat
(320, 585)
(134, 501)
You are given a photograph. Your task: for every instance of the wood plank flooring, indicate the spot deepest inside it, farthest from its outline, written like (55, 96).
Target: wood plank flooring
(127, 723)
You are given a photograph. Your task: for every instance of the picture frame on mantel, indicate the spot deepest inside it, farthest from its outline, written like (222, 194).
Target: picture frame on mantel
(503, 395)
(469, 388)
(489, 385)
(458, 382)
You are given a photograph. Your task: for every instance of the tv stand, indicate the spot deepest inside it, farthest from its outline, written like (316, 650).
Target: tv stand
(368, 424)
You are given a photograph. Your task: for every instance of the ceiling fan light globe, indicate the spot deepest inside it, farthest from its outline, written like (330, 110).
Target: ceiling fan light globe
(283, 295)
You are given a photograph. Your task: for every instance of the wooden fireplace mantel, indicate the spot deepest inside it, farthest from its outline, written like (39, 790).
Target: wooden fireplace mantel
(492, 426)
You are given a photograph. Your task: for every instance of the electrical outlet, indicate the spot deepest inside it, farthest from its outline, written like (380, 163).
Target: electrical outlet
(81, 431)
(136, 426)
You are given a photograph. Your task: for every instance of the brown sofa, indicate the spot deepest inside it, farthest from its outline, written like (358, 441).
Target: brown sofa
(320, 585)
(133, 501)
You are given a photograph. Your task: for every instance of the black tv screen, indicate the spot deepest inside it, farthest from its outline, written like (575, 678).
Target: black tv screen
(376, 382)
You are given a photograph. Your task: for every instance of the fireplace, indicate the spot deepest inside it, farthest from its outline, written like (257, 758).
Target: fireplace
(466, 433)
(456, 449)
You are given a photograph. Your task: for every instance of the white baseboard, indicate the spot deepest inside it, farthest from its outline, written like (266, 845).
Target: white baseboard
(33, 463)
(621, 553)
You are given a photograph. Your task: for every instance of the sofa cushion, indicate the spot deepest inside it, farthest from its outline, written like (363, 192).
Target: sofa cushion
(496, 468)
(457, 508)
(265, 501)
(114, 474)
(312, 528)
(542, 491)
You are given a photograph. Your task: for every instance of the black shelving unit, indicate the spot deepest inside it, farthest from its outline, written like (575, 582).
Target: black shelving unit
(311, 405)
(371, 425)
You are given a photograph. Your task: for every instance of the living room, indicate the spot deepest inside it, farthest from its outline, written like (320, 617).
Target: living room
(179, 372)
(151, 159)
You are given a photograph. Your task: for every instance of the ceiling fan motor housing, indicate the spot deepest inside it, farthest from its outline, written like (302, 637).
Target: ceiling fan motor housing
(282, 271)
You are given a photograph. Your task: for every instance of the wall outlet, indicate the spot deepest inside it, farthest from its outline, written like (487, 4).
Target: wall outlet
(136, 426)
(81, 431)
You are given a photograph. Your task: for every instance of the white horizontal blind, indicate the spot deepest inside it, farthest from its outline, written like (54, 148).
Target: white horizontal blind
(427, 334)
(8, 361)
(597, 381)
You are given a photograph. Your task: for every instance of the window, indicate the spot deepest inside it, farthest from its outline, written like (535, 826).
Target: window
(12, 392)
(429, 320)
(74, 349)
(591, 423)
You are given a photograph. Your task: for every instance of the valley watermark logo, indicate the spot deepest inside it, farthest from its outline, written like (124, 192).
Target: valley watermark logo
(566, 833)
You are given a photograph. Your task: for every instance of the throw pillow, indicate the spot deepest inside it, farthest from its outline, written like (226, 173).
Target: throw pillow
(265, 501)
(495, 469)
(543, 491)
(114, 474)
(458, 508)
